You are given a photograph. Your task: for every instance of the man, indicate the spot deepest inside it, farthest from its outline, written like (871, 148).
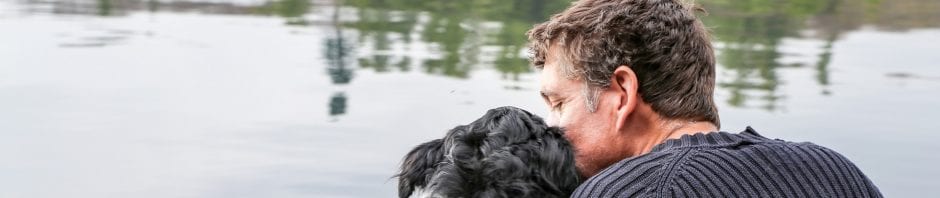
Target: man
(632, 82)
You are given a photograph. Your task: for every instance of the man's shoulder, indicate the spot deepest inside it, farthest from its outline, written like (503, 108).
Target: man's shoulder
(627, 178)
(774, 168)
(737, 165)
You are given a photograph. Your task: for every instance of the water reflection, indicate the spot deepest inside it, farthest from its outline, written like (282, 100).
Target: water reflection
(452, 38)
(750, 34)
(97, 38)
(337, 53)
(291, 10)
(104, 7)
(465, 34)
(337, 104)
(259, 81)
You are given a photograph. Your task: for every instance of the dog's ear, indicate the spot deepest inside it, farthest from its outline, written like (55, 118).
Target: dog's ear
(418, 167)
(559, 160)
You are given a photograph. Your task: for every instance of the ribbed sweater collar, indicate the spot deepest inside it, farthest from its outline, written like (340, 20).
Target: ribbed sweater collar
(713, 139)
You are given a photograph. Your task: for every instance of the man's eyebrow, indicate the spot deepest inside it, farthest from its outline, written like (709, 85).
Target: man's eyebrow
(545, 93)
(548, 94)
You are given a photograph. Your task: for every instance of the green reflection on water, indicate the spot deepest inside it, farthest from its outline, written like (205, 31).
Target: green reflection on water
(752, 30)
(476, 34)
(104, 7)
(460, 28)
(292, 10)
(749, 32)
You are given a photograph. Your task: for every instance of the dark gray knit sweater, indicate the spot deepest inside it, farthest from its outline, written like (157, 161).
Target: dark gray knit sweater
(731, 165)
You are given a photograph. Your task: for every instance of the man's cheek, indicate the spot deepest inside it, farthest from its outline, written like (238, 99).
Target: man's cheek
(574, 136)
(565, 120)
(553, 119)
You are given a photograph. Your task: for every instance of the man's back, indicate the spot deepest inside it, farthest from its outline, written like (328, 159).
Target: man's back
(731, 165)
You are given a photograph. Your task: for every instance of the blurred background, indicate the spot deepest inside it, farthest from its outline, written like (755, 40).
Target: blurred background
(322, 98)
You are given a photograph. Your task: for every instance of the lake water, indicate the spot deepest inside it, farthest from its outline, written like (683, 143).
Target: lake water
(296, 98)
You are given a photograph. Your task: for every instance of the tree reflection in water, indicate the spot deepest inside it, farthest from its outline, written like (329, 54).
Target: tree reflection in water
(337, 54)
(461, 36)
(749, 36)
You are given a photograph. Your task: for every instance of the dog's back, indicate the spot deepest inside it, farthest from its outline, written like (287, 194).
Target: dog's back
(507, 153)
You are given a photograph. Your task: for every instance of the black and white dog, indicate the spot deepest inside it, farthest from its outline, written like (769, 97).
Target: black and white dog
(509, 152)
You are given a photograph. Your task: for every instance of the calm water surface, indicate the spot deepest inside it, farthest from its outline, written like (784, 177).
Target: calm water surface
(296, 98)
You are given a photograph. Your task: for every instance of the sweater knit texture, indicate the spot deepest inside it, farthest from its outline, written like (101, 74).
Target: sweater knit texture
(722, 164)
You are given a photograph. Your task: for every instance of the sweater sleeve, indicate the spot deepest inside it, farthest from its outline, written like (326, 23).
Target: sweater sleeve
(767, 170)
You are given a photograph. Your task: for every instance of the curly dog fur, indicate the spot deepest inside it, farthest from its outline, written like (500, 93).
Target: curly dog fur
(509, 152)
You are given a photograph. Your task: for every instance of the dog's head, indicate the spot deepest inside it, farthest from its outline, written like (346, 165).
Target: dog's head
(509, 152)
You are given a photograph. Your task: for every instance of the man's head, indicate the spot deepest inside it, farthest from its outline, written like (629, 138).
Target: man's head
(615, 72)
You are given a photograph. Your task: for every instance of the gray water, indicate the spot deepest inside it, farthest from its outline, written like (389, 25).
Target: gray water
(296, 98)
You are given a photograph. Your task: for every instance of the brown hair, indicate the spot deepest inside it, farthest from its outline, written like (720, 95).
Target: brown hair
(662, 41)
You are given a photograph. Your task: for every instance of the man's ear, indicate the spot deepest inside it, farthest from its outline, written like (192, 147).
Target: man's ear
(625, 85)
